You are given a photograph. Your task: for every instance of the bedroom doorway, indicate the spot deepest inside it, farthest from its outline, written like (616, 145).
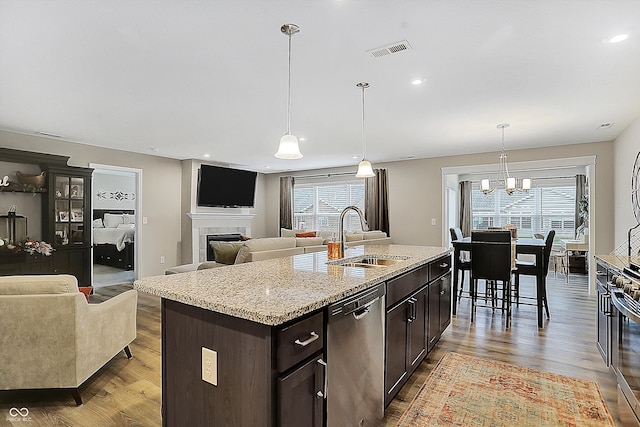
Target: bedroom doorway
(116, 224)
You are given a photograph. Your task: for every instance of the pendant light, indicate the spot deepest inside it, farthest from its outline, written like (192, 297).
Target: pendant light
(364, 167)
(289, 148)
(509, 182)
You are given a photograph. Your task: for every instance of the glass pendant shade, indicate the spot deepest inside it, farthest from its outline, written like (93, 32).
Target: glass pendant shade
(289, 148)
(485, 185)
(365, 170)
(526, 183)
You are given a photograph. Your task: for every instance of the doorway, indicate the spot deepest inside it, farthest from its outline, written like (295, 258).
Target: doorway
(116, 220)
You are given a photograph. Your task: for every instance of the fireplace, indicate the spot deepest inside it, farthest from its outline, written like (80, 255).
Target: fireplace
(215, 223)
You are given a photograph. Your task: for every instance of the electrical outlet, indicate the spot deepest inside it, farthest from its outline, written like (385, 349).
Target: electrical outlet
(144, 219)
(209, 366)
(162, 260)
(433, 221)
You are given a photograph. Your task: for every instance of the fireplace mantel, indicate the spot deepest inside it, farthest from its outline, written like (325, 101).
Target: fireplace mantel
(203, 223)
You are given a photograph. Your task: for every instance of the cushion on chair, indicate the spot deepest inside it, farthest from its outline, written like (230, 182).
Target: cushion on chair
(266, 244)
(35, 285)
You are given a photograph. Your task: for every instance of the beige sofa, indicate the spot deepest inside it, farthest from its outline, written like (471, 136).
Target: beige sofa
(228, 253)
(50, 337)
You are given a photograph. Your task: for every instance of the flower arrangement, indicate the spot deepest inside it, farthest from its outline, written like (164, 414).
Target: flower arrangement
(29, 245)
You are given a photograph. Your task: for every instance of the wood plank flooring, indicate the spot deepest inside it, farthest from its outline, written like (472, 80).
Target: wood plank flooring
(128, 392)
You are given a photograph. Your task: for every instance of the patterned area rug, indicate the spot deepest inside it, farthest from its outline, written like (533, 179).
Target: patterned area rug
(471, 391)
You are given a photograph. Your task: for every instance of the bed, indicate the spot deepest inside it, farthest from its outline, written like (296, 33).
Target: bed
(113, 237)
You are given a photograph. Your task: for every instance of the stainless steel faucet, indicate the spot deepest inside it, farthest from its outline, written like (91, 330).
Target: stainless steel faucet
(363, 224)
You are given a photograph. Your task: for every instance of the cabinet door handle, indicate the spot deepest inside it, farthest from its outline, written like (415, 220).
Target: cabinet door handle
(322, 394)
(411, 304)
(308, 341)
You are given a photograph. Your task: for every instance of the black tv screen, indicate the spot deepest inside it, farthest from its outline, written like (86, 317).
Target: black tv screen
(225, 187)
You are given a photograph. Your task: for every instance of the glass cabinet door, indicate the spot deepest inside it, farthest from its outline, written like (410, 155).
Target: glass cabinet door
(69, 210)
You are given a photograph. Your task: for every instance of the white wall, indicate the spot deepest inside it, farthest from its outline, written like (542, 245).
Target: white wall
(160, 192)
(112, 183)
(627, 146)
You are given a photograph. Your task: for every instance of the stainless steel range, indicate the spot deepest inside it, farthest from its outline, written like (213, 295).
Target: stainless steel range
(625, 339)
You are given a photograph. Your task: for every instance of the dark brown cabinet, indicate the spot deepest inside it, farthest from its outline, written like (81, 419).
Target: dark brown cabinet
(267, 375)
(418, 311)
(300, 395)
(65, 217)
(67, 221)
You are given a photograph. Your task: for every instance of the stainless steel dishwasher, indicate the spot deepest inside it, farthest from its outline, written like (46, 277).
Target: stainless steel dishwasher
(355, 360)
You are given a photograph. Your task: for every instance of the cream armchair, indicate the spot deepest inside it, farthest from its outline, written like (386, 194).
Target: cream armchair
(50, 337)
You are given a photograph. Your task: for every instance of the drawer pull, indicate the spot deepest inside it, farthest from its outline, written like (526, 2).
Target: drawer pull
(311, 339)
(443, 265)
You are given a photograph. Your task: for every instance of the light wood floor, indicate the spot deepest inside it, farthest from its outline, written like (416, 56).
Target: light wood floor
(128, 392)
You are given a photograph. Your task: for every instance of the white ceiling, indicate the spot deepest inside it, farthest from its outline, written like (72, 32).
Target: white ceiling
(179, 78)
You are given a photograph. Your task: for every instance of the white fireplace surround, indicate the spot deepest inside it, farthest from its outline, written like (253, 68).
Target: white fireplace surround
(205, 223)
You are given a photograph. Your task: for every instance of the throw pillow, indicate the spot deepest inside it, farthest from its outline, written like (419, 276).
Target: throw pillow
(286, 232)
(97, 223)
(112, 220)
(225, 252)
(306, 234)
(308, 241)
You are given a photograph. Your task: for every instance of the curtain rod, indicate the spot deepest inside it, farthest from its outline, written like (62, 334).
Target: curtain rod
(326, 175)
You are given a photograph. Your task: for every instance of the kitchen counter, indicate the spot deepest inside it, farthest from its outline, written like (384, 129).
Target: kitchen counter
(275, 291)
(618, 261)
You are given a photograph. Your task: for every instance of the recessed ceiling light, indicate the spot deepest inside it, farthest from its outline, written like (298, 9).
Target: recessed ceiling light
(154, 149)
(618, 38)
(606, 125)
(267, 167)
(302, 138)
(206, 155)
(355, 157)
(417, 82)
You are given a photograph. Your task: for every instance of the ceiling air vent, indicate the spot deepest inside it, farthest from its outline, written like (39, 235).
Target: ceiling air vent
(607, 125)
(389, 49)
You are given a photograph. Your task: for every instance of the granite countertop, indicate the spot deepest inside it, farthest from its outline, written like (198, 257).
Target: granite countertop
(618, 261)
(275, 291)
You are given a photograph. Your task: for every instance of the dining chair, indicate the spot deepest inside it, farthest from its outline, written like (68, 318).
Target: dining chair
(464, 263)
(529, 268)
(491, 260)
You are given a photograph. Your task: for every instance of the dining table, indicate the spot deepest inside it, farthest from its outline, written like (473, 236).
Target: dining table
(530, 246)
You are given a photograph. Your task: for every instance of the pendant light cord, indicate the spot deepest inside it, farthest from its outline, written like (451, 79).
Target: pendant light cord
(289, 91)
(364, 144)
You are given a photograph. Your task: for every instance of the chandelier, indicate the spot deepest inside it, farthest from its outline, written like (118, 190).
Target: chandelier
(510, 183)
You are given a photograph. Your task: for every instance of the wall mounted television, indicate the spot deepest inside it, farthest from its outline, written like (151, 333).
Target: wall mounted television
(225, 187)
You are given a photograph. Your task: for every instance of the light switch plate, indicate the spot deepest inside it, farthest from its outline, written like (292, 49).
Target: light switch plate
(209, 366)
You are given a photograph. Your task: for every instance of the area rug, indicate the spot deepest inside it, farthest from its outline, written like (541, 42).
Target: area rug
(472, 391)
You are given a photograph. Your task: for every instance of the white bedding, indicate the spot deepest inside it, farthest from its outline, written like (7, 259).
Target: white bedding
(113, 236)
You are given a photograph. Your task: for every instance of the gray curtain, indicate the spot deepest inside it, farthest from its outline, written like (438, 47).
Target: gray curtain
(376, 201)
(286, 202)
(464, 214)
(581, 194)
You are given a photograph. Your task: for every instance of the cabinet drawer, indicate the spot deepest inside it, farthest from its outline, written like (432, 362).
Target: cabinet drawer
(400, 287)
(439, 267)
(602, 274)
(300, 340)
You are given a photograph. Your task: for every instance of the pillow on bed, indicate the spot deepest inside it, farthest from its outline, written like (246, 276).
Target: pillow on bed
(112, 220)
(97, 223)
(129, 226)
(129, 218)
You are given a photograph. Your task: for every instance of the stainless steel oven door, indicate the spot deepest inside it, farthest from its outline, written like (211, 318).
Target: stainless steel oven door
(626, 356)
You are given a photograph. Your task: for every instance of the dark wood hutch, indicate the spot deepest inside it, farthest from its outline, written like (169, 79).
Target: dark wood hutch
(65, 218)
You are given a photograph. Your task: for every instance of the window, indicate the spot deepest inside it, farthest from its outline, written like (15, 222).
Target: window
(317, 205)
(550, 204)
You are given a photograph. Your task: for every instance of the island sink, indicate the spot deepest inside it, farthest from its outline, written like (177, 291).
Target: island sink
(369, 261)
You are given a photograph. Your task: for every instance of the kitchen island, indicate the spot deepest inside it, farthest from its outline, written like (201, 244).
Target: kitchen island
(236, 326)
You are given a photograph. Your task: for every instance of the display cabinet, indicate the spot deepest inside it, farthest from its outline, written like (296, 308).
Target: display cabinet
(67, 223)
